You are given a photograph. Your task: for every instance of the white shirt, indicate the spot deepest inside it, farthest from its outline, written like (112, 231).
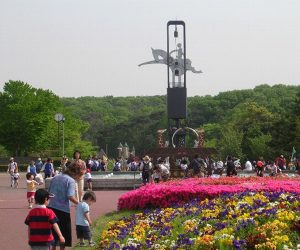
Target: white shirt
(12, 166)
(164, 170)
(248, 166)
(87, 176)
(183, 166)
(220, 164)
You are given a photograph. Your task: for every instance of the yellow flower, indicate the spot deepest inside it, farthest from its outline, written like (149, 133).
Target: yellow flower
(280, 239)
(284, 215)
(266, 246)
(205, 240)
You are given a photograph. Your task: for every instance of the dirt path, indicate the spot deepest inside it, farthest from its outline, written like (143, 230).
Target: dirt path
(14, 209)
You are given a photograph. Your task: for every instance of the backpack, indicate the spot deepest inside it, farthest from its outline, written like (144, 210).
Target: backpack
(133, 166)
(146, 167)
(195, 165)
(117, 166)
(48, 168)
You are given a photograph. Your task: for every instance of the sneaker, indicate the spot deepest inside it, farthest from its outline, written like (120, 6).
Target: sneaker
(91, 244)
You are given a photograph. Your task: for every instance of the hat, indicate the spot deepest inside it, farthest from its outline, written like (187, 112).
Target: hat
(39, 159)
(42, 194)
(281, 156)
(11, 158)
(146, 158)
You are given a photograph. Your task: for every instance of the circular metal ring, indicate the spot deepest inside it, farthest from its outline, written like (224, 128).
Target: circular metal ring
(177, 130)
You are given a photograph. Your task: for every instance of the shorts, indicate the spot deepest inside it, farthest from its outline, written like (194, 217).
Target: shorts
(30, 195)
(83, 232)
(64, 223)
(39, 247)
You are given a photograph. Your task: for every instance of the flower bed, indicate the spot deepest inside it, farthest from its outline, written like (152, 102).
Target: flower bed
(180, 191)
(246, 220)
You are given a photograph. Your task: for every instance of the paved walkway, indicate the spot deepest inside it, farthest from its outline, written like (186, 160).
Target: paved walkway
(14, 209)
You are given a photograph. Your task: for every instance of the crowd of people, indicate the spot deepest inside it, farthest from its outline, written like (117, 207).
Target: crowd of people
(202, 167)
(67, 186)
(49, 220)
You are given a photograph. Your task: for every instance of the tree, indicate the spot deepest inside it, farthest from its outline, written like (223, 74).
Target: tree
(231, 142)
(255, 123)
(25, 113)
(27, 121)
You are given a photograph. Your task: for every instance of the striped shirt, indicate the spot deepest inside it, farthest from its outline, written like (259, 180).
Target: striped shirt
(40, 221)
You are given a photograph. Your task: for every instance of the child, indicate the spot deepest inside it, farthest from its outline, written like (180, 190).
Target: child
(118, 165)
(83, 220)
(156, 174)
(31, 188)
(16, 177)
(88, 179)
(48, 168)
(184, 167)
(40, 221)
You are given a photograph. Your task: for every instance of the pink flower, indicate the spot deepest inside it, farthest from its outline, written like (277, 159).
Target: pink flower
(179, 191)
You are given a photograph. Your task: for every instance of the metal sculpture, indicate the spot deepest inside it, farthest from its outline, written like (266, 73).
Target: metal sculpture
(175, 63)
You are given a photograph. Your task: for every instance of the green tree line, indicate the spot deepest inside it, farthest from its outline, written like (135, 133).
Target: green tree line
(264, 121)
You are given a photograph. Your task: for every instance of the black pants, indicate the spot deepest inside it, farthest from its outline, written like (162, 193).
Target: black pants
(64, 223)
(146, 177)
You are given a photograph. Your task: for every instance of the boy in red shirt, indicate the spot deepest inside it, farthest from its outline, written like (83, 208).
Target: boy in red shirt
(40, 221)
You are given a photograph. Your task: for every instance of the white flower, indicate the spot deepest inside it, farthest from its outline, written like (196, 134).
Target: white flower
(283, 196)
(273, 204)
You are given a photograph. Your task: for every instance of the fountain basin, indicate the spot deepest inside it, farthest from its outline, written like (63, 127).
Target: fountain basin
(112, 180)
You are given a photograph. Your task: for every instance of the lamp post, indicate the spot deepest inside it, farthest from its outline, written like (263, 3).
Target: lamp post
(63, 137)
(60, 118)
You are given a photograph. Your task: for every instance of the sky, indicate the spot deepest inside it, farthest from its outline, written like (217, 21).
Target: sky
(93, 47)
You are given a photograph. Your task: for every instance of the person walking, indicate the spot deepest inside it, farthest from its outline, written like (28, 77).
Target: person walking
(40, 221)
(16, 177)
(63, 188)
(12, 166)
(31, 188)
(79, 183)
(146, 168)
(39, 165)
(48, 168)
(32, 168)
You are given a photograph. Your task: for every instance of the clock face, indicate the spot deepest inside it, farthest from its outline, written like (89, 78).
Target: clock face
(58, 117)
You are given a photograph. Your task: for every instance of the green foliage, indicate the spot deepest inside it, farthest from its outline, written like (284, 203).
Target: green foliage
(25, 113)
(253, 113)
(3, 152)
(27, 123)
(112, 120)
(231, 142)
(259, 146)
(261, 121)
